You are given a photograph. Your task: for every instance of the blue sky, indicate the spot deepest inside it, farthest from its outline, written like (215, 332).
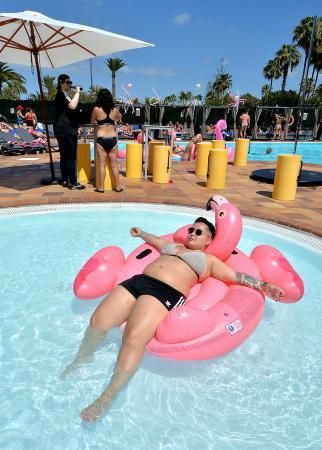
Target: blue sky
(190, 38)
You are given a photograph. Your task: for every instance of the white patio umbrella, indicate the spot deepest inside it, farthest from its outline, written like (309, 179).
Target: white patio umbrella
(32, 38)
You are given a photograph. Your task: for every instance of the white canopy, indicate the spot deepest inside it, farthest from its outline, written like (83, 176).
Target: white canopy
(57, 43)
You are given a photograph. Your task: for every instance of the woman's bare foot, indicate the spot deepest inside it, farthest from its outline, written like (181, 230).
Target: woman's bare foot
(74, 365)
(96, 410)
(274, 292)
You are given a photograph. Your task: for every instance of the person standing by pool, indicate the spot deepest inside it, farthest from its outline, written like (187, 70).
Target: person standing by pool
(288, 127)
(143, 301)
(278, 127)
(30, 118)
(104, 115)
(65, 129)
(244, 120)
(20, 116)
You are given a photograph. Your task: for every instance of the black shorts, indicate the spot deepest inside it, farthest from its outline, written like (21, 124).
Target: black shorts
(107, 142)
(145, 285)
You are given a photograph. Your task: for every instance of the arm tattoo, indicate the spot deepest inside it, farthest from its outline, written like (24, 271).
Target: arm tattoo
(247, 280)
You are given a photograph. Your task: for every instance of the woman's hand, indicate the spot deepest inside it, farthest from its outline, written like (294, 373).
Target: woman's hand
(136, 232)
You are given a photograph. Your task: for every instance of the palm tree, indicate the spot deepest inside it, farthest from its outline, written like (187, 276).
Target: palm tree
(318, 92)
(316, 56)
(49, 89)
(184, 97)
(90, 95)
(265, 91)
(11, 80)
(170, 99)
(302, 37)
(114, 64)
(288, 57)
(272, 71)
(222, 84)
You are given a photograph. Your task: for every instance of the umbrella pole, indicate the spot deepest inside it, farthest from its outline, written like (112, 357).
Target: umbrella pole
(44, 114)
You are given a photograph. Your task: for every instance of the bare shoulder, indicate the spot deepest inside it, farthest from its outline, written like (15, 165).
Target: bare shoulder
(95, 110)
(115, 114)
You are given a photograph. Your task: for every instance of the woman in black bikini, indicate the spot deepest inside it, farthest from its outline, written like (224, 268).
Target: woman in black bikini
(143, 301)
(105, 115)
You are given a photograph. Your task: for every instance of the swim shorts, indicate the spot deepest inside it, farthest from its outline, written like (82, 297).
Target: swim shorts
(146, 285)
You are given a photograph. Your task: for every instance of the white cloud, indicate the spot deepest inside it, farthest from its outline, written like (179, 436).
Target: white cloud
(182, 19)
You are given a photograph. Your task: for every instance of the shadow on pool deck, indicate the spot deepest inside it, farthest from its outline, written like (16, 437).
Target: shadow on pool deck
(20, 185)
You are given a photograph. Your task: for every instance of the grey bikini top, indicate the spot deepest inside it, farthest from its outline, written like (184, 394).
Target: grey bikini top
(196, 260)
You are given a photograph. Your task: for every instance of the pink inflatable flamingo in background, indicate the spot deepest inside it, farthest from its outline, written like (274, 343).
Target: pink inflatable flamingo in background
(217, 317)
(219, 127)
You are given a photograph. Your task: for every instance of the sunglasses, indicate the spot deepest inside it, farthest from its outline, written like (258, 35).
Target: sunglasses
(68, 82)
(197, 231)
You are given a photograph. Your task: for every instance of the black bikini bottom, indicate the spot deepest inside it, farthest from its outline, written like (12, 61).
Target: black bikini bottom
(107, 142)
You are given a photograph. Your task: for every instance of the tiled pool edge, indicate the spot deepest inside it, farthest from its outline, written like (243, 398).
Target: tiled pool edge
(283, 230)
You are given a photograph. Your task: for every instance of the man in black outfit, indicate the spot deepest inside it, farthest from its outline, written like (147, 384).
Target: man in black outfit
(65, 129)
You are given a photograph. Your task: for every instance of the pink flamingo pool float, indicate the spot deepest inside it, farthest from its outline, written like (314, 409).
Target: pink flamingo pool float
(217, 317)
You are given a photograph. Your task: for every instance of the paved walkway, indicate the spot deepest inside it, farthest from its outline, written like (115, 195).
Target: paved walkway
(20, 185)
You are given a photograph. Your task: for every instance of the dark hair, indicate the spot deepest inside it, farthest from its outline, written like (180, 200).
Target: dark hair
(211, 227)
(105, 100)
(61, 79)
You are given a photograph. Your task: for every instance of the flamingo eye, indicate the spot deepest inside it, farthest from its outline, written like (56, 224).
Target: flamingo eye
(222, 213)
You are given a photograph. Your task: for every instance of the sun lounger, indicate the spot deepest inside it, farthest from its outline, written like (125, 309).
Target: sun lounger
(10, 145)
(36, 142)
(29, 139)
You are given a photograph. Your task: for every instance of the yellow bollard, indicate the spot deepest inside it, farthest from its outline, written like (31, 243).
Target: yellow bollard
(133, 160)
(217, 169)
(285, 181)
(217, 145)
(109, 183)
(152, 144)
(241, 152)
(83, 163)
(161, 163)
(203, 149)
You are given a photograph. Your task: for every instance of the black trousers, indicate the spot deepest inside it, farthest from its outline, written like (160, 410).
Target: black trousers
(68, 151)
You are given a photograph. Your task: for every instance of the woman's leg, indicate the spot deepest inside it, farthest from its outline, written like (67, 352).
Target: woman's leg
(145, 317)
(113, 310)
(113, 158)
(102, 156)
(275, 133)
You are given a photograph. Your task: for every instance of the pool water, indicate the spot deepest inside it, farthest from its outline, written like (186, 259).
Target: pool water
(264, 395)
(311, 151)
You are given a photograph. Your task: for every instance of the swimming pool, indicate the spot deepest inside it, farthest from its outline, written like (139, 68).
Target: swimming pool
(265, 395)
(311, 151)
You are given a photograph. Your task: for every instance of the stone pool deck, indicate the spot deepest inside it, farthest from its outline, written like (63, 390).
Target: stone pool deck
(20, 185)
